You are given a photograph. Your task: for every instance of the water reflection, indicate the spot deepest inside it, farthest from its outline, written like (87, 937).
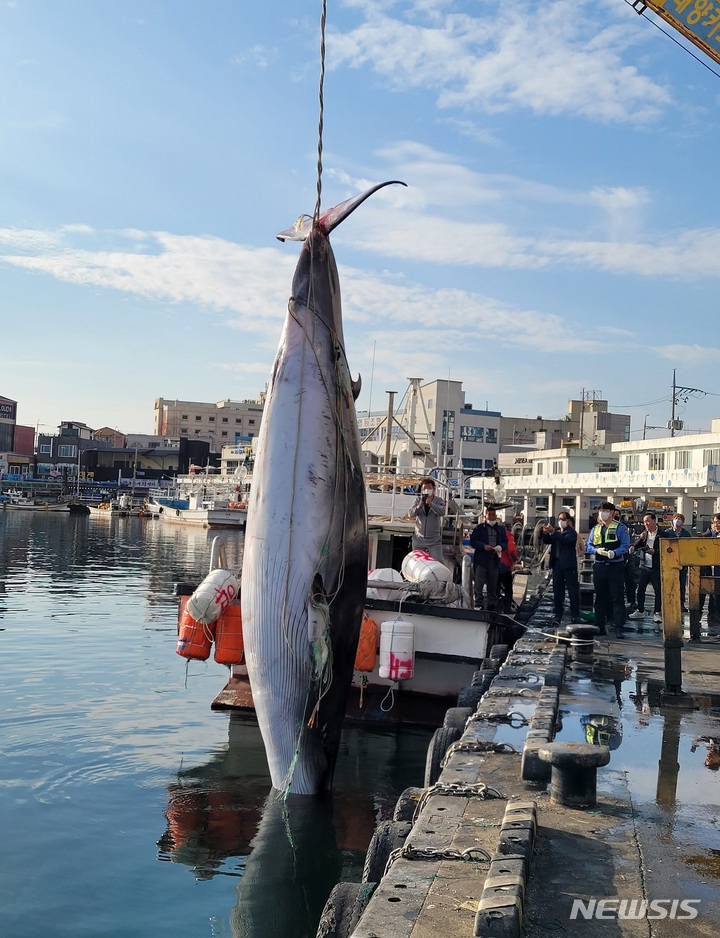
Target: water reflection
(223, 818)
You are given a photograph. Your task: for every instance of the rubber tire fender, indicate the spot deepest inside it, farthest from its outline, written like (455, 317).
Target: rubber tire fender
(457, 717)
(407, 803)
(388, 836)
(343, 909)
(470, 696)
(500, 652)
(439, 745)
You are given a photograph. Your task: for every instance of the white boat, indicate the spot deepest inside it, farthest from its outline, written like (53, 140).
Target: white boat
(122, 507)
(447, 638)
(200, 509)
(16, 501)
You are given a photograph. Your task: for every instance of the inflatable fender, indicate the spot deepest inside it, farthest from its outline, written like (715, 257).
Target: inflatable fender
(388, 575)
(213, 596)
(418, 567)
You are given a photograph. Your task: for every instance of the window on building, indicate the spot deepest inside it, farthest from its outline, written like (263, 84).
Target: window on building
(711, 457)
(491, 435)
(183, 431)
(224, 420)
(430, 403)
(184, 417)
(211, 419)
(472, 434)
(46, 448)
(558, 466)
(67, 452)
(448, 432)
(238, 420)
(540, 469)
(632, 462)
(489, 463)
(656, 461)
(682, 459)
(223, 433)
(251, 421)
(198, 419)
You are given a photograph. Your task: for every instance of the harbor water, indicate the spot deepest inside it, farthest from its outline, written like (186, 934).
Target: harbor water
(128, 808)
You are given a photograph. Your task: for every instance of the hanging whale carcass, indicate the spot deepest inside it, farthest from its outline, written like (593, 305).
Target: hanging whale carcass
(305, 557)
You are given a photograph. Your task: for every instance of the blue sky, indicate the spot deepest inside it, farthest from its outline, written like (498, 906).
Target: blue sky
(559, 230)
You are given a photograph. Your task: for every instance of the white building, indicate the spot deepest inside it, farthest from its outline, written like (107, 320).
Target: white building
(433, 427)
(218, 423)
(680, 473)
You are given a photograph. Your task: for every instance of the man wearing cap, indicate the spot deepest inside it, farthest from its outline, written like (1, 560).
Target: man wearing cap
(608, 542)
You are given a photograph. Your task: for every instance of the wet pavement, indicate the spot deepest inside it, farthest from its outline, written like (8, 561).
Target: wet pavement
(655, 832)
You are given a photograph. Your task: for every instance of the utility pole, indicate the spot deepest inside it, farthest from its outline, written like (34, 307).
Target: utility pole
(679, 394)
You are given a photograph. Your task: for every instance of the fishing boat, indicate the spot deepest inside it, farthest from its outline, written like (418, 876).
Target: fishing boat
(201, 499)
(420, 643)
(199, 508)
(16, 501)
(121, 507)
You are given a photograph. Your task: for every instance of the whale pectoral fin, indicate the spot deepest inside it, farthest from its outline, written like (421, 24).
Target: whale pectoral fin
(356, 386)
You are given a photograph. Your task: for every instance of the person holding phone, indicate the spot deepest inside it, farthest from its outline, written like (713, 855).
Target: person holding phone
(428, 512)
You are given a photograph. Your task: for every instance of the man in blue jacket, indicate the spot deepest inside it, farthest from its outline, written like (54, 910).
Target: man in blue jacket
(564, 565)
(608, 542)
(489, 540)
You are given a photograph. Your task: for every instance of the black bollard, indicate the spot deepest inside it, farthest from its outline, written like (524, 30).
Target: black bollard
(574, 772)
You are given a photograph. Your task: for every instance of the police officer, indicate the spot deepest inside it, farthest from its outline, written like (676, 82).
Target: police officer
(608, 542)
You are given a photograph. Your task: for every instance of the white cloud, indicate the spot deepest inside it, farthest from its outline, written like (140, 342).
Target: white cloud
(687, 354)
(552, 58)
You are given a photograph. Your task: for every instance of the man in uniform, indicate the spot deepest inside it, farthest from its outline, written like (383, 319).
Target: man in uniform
(608, 542)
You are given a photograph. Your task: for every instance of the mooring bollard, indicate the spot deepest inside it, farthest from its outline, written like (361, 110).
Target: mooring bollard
(574, 772)
(583, 636)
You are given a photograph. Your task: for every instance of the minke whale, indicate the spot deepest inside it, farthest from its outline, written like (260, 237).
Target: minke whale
(305, 557)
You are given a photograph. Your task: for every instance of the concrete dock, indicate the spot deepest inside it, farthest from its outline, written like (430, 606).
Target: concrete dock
(493, 852)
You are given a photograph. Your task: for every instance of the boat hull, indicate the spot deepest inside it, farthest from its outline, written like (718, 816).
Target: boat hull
(449, 647)
(205, 517)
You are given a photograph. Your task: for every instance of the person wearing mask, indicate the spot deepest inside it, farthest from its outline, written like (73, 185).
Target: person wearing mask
(508, 559)
(564, 565)
(677, 529)
(608, 542)
(428, 512)
(648, 547)
(489, 539)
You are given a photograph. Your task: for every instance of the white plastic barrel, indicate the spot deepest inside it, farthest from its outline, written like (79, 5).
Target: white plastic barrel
(213, 596)
(418, 566)
(389, 576)
(397, 650)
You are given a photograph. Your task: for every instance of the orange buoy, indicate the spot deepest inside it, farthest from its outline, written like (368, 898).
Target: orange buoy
(366, 655)
(194, 639)
(229, 637)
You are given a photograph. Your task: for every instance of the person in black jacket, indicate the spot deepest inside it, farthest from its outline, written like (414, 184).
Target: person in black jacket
(489, 539)
(648, 547)
(564, 565)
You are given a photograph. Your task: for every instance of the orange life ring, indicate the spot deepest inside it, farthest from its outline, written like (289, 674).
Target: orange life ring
(229, 645)
(366, 654)
(194, 639)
